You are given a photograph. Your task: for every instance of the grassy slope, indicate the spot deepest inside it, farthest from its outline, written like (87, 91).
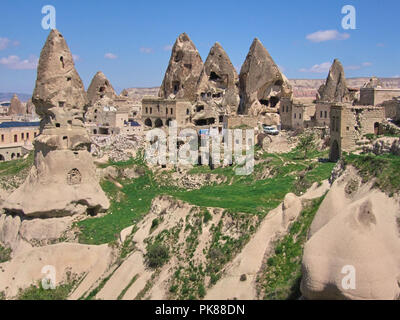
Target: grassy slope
(239, 194)
(280, 278)
(384, 169)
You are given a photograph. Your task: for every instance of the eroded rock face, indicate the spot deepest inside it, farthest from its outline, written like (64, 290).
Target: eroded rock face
(62, 181)
(374, 82)
(30, 107)
(99, 88)
(184, 68)
(16, 106)
(335, 88)
(218, 87)
(357, 232)
(262, 84)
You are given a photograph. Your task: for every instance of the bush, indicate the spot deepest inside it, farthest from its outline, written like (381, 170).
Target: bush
(202, 291)
(306, 143)
(157, 255)
(154, 224)
(5, 254)
(207, 216)
(37, 292)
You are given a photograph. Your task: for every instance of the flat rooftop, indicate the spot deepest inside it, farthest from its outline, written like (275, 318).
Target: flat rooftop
(17, 124)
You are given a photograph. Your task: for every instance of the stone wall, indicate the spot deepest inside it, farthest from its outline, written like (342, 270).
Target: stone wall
(350, 123)
(18, 135)
(322, 114)
(392, 109)
(231, 122)
(11, 153)
(285, 111)
(157, 112)
(375, 96)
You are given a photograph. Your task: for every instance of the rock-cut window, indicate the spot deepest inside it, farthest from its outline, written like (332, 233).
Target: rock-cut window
(74, 177)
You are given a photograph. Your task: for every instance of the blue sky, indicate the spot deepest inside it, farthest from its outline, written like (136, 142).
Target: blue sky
(130, 41)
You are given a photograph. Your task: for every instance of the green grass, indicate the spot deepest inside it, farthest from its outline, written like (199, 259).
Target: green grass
(385, 169)
(238, 194)
(10, 168)
(258, 196)
(5, 254)
(121, 295)
(36, 292)
(127, 206)
(280, 279)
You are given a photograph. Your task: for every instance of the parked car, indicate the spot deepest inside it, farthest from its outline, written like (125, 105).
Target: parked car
(270, 130)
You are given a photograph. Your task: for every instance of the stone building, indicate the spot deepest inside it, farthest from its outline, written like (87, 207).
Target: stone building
(392, 109)
(322, 113)
(350, 124)
(108, 113)
(240, 121)
(376, 96)
(296, 114)
(159, 112)
(108, 120)
(16, 139)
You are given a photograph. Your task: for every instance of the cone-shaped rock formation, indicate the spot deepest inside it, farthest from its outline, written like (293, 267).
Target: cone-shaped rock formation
(335, 88)
(99, 88)
(218, 82)
(183, 71)
(62, 181)
(262, 84)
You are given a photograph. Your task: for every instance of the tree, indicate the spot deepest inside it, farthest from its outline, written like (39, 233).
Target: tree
(306, 143)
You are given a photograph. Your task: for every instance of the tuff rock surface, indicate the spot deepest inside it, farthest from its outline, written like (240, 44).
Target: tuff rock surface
(184, 68)
(99, 88)
(262, 84)
(218, 86)
(62, 181)
(335, 88)
(16, 106)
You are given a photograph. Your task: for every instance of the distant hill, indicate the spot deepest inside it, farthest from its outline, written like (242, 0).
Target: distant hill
(302, 88)
(309, 87)
(6, 96)
(306, 88)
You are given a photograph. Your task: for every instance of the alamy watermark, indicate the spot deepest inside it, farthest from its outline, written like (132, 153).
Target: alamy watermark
(49, 279)
(349, 281)
(192, 147)
(49, 20)
(349, 20)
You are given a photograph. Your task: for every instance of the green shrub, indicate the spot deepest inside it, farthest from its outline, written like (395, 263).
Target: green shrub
(37, 292)
(154, 224)
(5, 254)
(207, 216)
(157, 255)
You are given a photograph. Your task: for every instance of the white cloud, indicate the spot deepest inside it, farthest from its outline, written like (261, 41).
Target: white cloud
(353, 67)
(110, 56)
(4, 42)
(358, 67)
(168, 47)
(146, 50)
(15, 63)
(327, 35)
(318, 68)
(76, 57)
